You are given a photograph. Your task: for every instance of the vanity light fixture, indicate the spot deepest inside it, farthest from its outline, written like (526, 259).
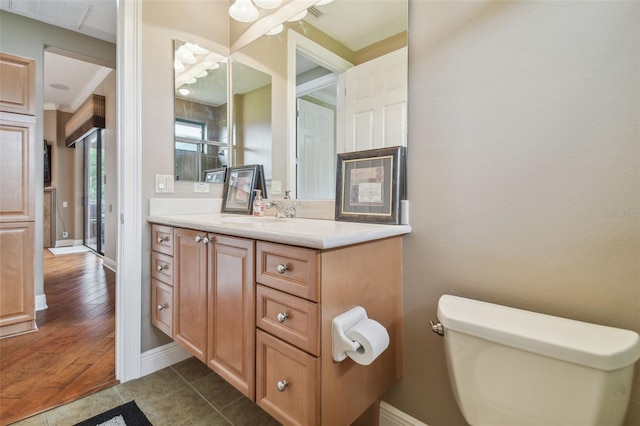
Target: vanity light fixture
(184, 91)
(243, 11)
(276, 30)
(298, 17)
(267, 4)
(323, 2)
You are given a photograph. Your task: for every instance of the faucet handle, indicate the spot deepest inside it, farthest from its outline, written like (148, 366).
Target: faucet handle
(287, 194)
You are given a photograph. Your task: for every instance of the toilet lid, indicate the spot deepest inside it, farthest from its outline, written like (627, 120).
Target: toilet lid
(597, 346)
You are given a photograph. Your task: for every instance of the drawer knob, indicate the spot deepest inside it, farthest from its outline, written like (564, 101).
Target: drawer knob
(203, 240)
(282, 268)
(161, 307)
(282, 385)
(282, 316)
(161, 268)
(198, 238)
(162, 239)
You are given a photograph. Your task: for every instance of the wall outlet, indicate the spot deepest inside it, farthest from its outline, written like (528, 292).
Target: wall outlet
(201, 187)
(65, 234)
(65, 204)
(276, 187)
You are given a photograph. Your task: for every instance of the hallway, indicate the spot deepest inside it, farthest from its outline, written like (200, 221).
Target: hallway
(73, 352)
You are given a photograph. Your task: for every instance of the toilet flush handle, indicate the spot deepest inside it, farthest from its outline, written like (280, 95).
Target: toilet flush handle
(437, 328)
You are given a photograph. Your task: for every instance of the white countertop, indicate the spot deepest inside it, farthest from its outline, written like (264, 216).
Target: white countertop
(313, 233)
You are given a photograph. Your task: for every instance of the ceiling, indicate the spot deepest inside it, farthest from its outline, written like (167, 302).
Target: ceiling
(68, 81)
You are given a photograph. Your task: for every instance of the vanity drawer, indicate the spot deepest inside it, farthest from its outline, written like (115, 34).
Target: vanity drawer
(288, 381)
(162, 239)
(293, 270)
(290, 318)
(162, 267)
(162, 306)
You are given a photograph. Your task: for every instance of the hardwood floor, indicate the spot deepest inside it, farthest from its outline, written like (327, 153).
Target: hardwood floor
(73, 352)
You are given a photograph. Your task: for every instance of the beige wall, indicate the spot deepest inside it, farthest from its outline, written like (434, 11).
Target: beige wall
(28, 38)
(524, 172)
(162, 22)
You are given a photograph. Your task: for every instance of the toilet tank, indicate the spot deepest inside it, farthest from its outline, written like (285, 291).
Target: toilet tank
(513, 367)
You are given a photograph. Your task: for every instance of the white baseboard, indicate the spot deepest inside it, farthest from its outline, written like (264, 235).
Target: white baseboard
(68, 243)
(162, 357)
(391, 416)
(41, 302)
(110, 264)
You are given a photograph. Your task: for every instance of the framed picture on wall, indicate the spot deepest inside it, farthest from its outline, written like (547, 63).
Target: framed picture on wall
(238, 189)
(215, 175)
(369, 185)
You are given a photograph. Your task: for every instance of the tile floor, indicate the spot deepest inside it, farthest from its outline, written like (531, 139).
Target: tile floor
(187, 393)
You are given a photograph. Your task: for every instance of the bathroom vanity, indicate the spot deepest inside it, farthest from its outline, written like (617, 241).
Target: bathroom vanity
(253, 298)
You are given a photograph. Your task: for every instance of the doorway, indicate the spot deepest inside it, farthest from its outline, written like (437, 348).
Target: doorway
(93, 194)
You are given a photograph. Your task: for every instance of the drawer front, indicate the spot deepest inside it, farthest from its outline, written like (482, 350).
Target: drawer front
(162, 239)
(288, 385)
(293, 270)
(290, 318)
(162, 267)
(162, 306)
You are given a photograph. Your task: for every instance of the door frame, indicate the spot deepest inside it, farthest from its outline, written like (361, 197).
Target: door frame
(329, 60)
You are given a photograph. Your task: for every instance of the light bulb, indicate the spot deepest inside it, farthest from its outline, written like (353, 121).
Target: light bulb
(323, 2)
(243, 11)
(191, 80)
(185, 55)
(195, 48)
(184, 91)
(202, 74)
(178, 66)
(267, 4)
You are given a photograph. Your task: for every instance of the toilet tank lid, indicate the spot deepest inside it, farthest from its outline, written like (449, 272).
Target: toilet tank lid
(592, 345)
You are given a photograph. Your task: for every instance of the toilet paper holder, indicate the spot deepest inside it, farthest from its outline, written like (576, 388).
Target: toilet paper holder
(340, 343)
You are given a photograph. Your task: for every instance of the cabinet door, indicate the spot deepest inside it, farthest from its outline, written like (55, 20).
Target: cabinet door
(232, 312)
(17, 302)
(190, 291)
(17, 88)
(17, 197)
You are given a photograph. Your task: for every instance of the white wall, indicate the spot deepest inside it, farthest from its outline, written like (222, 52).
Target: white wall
(524, 172)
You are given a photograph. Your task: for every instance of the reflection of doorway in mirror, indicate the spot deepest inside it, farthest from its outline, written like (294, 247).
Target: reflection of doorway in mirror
(316, 151)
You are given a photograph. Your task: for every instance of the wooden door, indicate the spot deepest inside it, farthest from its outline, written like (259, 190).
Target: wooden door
(17, 89)
(190, 291)
(17, 301)
(376, 103)
(17, 167)
(232, 311)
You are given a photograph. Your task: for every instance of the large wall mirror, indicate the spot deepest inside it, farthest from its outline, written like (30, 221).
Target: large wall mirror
(305, 75)
(201, 133)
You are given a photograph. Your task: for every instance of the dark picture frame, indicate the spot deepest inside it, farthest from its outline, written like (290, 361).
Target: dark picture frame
(369, 185)
(215, 175)
(238, 189)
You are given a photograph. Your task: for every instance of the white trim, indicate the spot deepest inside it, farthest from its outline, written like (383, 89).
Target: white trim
(391, 416)
(129, 274)
(68, 243)
(162, 357)
(110, 264)
(87, 90)
(41, 302)
(330, 61)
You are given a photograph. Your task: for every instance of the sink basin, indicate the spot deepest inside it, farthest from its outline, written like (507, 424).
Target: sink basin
(253, 219)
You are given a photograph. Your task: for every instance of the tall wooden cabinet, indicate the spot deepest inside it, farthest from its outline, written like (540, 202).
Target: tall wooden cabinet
(17, 195)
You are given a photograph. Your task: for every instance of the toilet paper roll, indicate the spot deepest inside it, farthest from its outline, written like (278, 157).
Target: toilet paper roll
(373, 338)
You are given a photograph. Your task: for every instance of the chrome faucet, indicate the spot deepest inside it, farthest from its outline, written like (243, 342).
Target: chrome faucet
(287, 210)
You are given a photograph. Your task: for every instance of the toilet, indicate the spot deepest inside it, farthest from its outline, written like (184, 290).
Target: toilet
(513, 367)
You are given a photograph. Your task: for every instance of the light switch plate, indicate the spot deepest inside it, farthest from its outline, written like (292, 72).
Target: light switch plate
(276, 187)
(201, 187)
(164, 184)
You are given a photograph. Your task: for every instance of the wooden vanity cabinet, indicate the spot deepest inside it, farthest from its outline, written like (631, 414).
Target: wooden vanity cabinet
(214, 301)
(162, 278)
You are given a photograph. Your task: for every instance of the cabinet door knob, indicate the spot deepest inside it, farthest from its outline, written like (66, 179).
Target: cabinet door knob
(282, 268)
(161, 307)
(161, 268)
(206, 240)
(282, 316)
(282, 385)
(163, 239)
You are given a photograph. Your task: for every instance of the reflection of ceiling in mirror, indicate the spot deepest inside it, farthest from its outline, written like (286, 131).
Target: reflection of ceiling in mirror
(358, 23)
(201, 72)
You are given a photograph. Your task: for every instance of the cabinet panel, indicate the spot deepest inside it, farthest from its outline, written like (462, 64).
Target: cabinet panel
(232, 311)
(293, 270)
(190, 292)
(162, 306)
(288, 381)
(290, 318)
(17, 84)
(17, 137)
(17, 300)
